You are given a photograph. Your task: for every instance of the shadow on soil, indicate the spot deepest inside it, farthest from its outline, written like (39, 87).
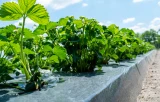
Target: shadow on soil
(5, 95)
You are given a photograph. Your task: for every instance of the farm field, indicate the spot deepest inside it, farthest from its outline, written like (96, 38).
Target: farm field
(39, 57)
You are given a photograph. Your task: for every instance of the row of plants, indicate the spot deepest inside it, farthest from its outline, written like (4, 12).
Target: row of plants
(69, 45)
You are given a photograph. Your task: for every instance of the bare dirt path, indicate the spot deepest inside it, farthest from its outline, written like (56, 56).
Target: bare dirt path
(151, 84)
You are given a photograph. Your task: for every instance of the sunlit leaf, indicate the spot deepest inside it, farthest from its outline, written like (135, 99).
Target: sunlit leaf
(63, 21)
(16, 47)
(123, 48)
(113, 28)
(60, 52)
(2, 43)
(28, 51)
(78, 23)
(38, 14)
(25, 5)
(39, 30)
(51, 25)
(28, 34)
(114, 56)
(47, 48)
(10, 11)
(54, 58)
(10, 28)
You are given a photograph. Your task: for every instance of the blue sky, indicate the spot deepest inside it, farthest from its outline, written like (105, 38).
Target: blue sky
(139, 15)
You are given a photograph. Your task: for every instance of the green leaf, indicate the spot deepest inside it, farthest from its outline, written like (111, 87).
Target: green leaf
(3, 38)
(122, 49)
(25, 5)
(113, 29)
(54, 58)
(16, 47)
(28, 51)
(129, 56)
(47, 48)
(114, 56)
(28, 34)
(10, 11)
(63, 21)
(78, 23)
(2, 43)
(38, 14)
(60, 52)
(39, 30)
(10, 28)
(99, 27)
(51, 25)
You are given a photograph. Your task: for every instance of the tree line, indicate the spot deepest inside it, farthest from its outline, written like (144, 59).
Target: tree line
(152, 36)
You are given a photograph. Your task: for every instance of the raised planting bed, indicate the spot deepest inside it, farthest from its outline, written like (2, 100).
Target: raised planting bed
(117, 83)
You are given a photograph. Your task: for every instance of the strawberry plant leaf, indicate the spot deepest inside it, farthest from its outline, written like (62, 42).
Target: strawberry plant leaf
(129, 56)
(10, 28)
(28, 51)
(51, 25)
(113, 29)
(39, 30)
(78, 23)
(60, 52)
(114, 56)
(2, 43)
(15, 47)
(28, 34)
(63, 21)
(47, 48)
(54, 58)
(122, 49)
(38, 14)
(10, 11)
(25, 5)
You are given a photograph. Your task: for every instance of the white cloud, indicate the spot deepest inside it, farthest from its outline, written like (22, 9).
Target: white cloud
(136, 1)
(58, 4)
(128, 20)
(84, 4)
(154, 24)
(28, 23)
(101, 23)
(138, 29)
(45, 2)
(159, 3)
(155, 20)
(140, 24)
(105, 23)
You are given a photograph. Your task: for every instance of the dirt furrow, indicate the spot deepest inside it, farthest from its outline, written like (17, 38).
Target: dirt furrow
(151, 84)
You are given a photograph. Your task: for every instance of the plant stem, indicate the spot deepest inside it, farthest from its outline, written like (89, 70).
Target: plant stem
(22, 54)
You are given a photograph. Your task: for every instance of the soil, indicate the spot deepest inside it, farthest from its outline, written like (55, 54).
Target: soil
(151, 85)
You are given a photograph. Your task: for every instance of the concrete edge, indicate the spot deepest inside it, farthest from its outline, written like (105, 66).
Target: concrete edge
(126, 87)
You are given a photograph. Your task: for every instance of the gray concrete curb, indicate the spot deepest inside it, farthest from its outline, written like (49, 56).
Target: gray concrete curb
(117, 83)
(130, 84)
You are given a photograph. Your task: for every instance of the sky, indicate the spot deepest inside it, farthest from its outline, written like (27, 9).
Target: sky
(139, 15)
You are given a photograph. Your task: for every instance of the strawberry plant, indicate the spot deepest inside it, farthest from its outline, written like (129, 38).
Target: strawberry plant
(23, 9)
(76, 36)
(69, 45)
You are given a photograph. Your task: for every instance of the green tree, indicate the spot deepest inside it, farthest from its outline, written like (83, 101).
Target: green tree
(151, 36)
